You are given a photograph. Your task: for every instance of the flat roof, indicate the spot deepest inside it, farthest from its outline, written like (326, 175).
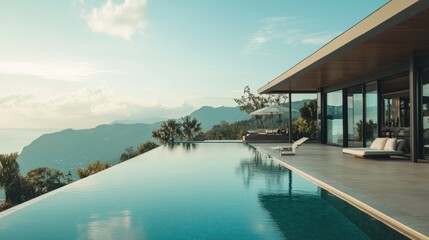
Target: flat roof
(386, 37)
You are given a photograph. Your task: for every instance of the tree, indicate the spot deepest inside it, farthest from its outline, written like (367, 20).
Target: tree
(147, 146)
(227, 131)
(10, 178)
(370, 130)
(43, 180)
(128, 154)
(169, 131)
(191, 127)
(306, 125)
(92, 168)
(249, 102)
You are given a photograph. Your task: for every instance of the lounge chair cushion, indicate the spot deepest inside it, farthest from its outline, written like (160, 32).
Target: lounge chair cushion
(390, 144)
(378, 144)
(366, 152)
(400, 144)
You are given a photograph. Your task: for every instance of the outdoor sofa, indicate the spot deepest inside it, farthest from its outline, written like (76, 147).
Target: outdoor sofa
(379, 148)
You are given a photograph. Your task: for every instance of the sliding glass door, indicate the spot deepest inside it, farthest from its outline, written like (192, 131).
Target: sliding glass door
(424, 133)
(355, 116)
(334, 117)
(371, 113)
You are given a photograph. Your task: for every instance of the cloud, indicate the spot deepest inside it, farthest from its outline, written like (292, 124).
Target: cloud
(54, 70)
(119, 20)
(318, 38)
(288, 31)
(87, 107)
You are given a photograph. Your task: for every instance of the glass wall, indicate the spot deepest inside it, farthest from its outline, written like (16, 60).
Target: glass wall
(425, 114)
(371, 112)
(355, 116)
(334, 117)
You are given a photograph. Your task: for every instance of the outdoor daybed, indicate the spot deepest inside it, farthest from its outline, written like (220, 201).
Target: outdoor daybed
(380, 147)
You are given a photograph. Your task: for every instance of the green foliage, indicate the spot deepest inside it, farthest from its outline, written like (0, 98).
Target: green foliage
(227, 131)
(10, 178)
(169, 131)
(128, 154)
(309, 111)
(250, 102)
(92, 168)
(37, 182)
(43, 180)
(306, 125)
(147, 146)
(191, 127)
(370, 129)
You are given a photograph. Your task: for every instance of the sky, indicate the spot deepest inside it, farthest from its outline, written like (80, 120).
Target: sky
(80, 63)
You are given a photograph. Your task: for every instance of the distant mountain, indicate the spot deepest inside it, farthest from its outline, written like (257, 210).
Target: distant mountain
(210, 116)
(70, 149)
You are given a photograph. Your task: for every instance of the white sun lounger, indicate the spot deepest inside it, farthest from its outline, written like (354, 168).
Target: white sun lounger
(380, 147)
(290, 149)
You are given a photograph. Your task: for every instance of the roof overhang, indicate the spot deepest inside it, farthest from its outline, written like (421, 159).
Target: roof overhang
(386, 37)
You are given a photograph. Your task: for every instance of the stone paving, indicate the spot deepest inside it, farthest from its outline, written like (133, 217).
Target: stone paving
(395, 191)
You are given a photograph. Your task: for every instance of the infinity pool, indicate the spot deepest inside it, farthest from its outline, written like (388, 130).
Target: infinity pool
(200, 191)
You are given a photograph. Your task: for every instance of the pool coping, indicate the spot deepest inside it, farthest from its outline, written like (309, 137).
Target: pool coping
(386, 219)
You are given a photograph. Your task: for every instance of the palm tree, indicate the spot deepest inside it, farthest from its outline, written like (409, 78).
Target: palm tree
(190, 127)
(10, 179)
(169, 131)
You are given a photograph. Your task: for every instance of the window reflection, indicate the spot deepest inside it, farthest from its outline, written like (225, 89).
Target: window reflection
(371, 112)
(355, 116)
(425, 113)
(334, 116)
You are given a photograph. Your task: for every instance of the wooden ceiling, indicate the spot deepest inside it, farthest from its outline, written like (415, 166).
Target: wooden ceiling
(365, 53)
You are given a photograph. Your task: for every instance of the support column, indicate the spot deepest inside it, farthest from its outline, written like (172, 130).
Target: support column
(290, 117)
(414, 109)
(345, 120)
(322, 116)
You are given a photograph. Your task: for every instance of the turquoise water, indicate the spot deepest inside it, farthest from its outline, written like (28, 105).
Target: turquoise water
(200, 191)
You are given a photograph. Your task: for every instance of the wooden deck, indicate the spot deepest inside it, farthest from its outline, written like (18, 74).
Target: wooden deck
(395, 191)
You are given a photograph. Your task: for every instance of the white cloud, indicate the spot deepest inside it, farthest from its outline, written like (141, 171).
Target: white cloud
(55, 70)
(259, 40)
(286, 30)
(318, 38)
(119, 20)
(84, 108)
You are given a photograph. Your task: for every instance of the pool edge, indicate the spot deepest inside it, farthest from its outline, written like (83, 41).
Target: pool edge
(389, 221)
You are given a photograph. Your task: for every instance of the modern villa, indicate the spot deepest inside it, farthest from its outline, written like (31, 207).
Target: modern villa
(376, 73)
(371, 81)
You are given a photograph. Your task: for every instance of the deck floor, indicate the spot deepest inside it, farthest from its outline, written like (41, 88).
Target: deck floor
(395, 191)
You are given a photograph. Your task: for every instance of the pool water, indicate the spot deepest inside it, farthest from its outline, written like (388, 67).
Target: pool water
(198, 191)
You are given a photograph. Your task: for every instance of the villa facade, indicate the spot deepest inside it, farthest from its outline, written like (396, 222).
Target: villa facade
(372, 80)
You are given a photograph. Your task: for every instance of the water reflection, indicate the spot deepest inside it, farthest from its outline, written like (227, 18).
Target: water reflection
(259, 166)
(114, 225)
(187, 146)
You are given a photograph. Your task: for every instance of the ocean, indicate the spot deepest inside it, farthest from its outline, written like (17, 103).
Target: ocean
(14, 140)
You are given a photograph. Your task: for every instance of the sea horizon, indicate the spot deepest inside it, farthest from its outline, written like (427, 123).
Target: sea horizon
(15, 139)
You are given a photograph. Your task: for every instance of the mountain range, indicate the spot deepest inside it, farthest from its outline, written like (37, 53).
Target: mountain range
(70, 149)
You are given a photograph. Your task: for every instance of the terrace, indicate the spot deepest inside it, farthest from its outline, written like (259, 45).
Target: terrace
(391, 190)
